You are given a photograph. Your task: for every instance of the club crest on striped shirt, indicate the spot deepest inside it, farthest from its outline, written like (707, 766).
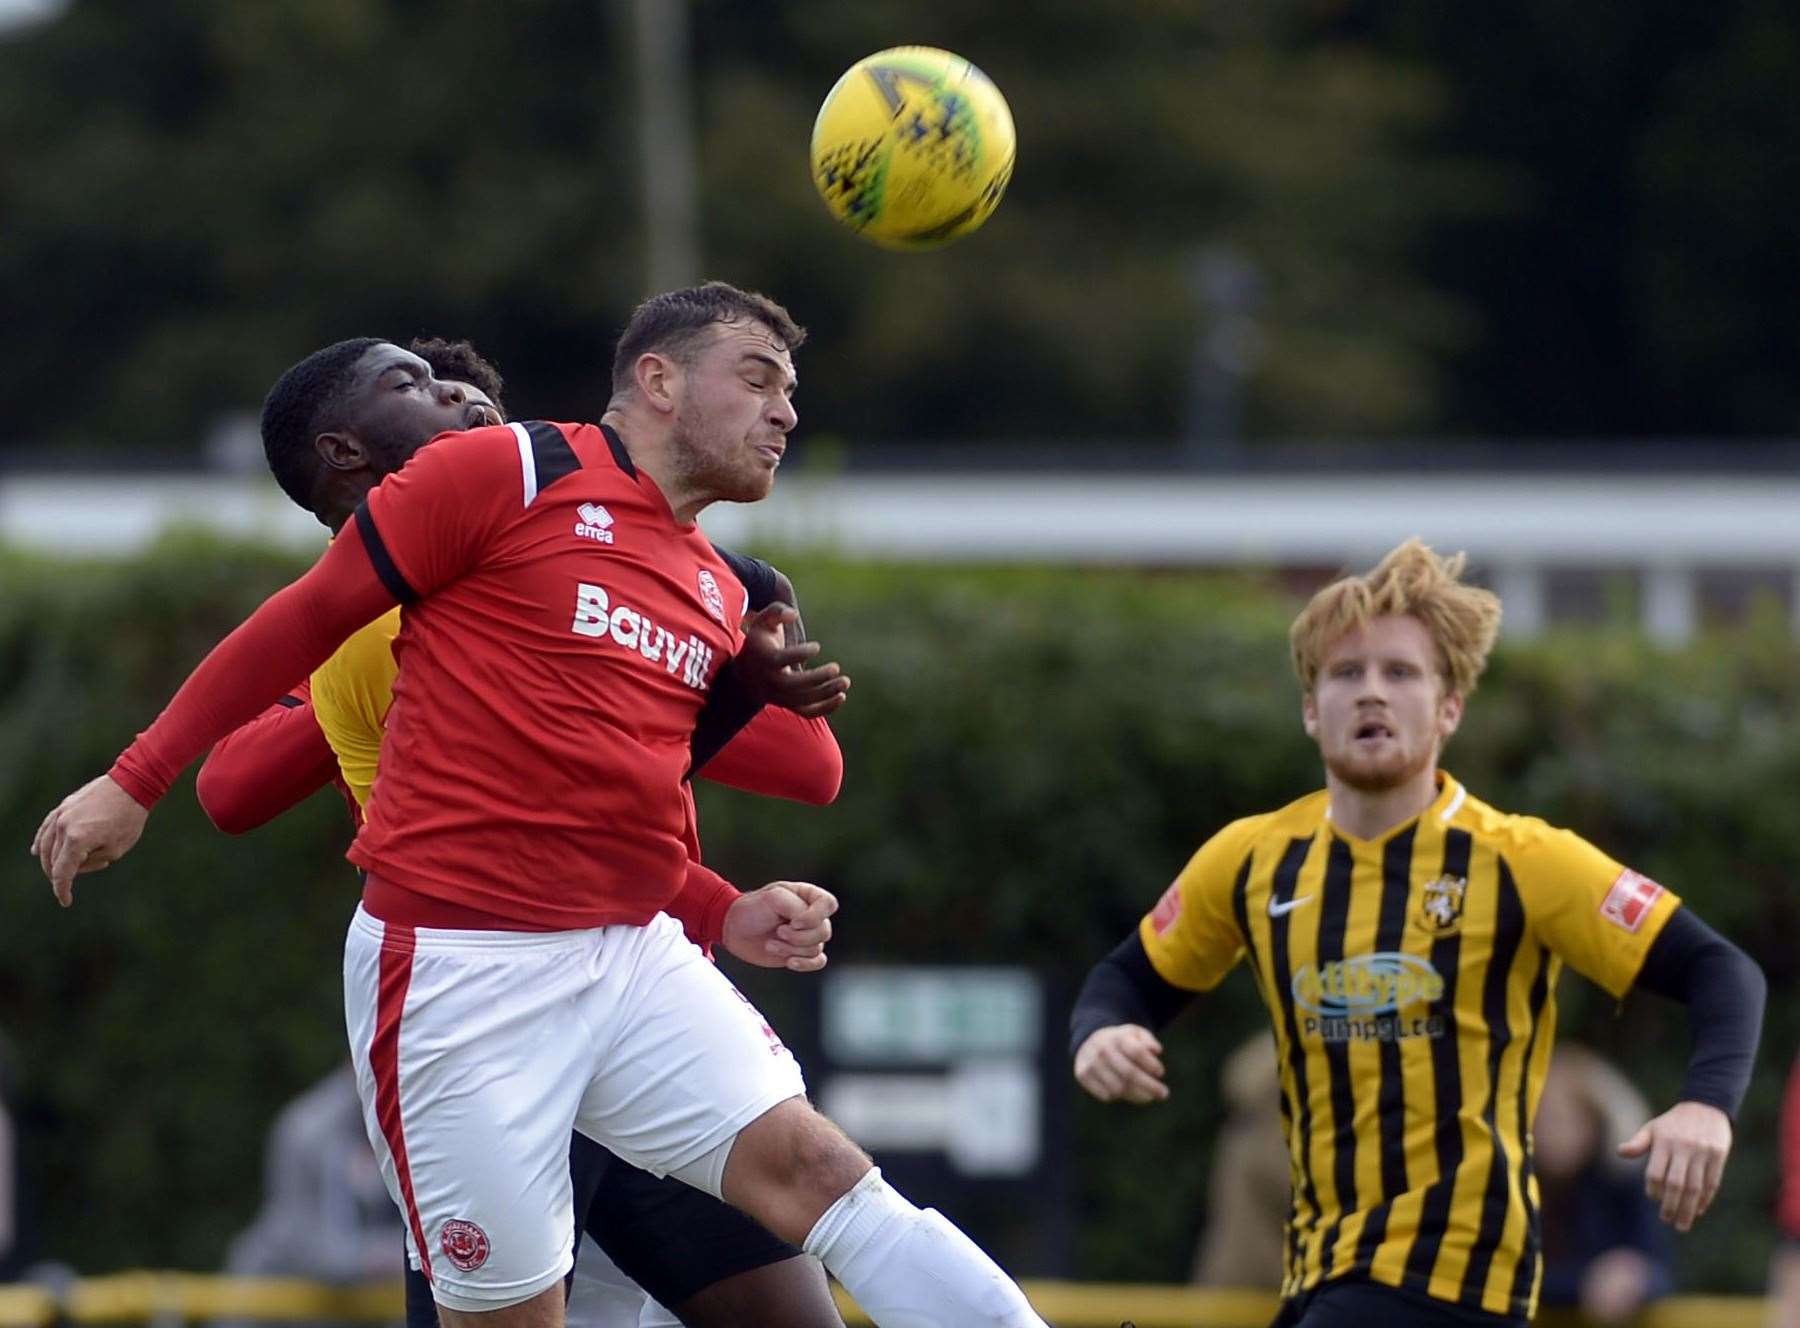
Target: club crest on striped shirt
(1441, 909)
(711, 596)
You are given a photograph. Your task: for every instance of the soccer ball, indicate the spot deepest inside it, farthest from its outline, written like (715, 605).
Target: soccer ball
(913, 147)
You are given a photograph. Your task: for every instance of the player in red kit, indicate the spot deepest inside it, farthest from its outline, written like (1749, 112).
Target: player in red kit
(510, 973)
(666, 1243)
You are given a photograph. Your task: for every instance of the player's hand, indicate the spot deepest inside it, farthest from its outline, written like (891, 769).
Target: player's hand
(795, 631)
(771, 671)
(93, 827)
(1122, 1063)
(783, 925)
(1687, 1145)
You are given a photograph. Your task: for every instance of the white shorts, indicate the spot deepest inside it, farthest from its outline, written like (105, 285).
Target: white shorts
(476, 1053)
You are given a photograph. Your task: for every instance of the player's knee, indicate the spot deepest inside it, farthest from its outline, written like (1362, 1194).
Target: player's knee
(826, 1163)
(796, 1150)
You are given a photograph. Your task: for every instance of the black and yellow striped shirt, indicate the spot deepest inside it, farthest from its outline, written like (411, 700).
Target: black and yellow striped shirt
(1411, 981)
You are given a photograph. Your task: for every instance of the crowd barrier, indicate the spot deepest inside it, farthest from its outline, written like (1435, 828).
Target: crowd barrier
(167, 1300)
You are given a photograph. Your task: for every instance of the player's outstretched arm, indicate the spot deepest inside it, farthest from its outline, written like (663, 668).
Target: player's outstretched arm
(1116, 1053)
(1724, 992)
(283, 641)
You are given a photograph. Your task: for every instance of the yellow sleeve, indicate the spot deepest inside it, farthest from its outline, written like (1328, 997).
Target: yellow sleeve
(351, 693)
(1598, 914)
(1192, 935)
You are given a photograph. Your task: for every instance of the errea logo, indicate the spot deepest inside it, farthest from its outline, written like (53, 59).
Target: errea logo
(595, 523)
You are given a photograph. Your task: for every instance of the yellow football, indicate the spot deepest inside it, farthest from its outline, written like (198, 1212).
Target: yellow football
(913, 147)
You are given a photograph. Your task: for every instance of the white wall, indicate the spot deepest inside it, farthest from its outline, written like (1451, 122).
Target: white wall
(1515, 525)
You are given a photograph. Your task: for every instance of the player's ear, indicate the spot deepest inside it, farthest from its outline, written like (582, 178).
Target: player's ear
(657, 377)
(1450, 713)
(1309, 715)
(341, 450)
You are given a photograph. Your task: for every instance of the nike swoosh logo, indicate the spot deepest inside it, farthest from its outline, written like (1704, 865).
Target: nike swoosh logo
(1278, 910)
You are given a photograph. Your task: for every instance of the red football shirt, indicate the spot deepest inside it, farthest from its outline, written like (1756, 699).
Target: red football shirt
(1787, 1204)
(560, 631)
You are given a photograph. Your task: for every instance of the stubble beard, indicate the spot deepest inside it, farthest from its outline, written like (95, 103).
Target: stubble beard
(704, 470)
(1379, 776)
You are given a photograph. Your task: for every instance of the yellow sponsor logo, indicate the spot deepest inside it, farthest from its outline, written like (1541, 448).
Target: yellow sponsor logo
(1367, 984)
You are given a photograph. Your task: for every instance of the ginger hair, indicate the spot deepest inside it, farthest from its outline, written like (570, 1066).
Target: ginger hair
(1462, 619)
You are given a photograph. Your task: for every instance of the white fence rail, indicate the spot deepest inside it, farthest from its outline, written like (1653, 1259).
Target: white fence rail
(1519, 528)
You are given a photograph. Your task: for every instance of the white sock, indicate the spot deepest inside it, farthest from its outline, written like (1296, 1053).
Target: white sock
(911, 1268)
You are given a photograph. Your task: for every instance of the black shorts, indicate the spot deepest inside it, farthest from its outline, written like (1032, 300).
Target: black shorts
(1355, 1303)
(671, 1239)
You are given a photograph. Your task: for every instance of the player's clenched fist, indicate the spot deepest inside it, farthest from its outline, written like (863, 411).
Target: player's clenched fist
(783, 925)
(91, 828)
(1122, 1063)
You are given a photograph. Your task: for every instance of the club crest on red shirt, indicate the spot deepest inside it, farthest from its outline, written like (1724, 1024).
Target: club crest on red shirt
(464, 1244)
(1630, 900)
(710, 596)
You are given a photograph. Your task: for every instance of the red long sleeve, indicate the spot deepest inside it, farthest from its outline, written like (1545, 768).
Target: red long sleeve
(780, 755)
(294, 632)
(270, 764)
(777, 754)
(701, 905)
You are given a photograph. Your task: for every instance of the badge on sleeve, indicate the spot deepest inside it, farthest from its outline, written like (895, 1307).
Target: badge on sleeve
(1630, 900)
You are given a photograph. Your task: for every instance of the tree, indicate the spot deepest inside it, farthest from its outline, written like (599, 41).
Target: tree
(201, 192)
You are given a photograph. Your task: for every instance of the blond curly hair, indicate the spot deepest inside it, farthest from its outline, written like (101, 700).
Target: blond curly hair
(1462, 619)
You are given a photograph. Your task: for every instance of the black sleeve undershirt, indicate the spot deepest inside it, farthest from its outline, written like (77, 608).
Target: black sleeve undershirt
(758, 577)
(729, 706)
(727, 709)
(1724, 992)
(1721, 986)
(1124, 988)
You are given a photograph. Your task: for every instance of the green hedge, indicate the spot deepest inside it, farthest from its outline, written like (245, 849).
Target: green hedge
(1030, 755)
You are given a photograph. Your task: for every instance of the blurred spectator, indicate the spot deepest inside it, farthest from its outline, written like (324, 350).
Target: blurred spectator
(325, 1214)
(1247, 1201)
(1784, 1268)
(1605, 1251)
